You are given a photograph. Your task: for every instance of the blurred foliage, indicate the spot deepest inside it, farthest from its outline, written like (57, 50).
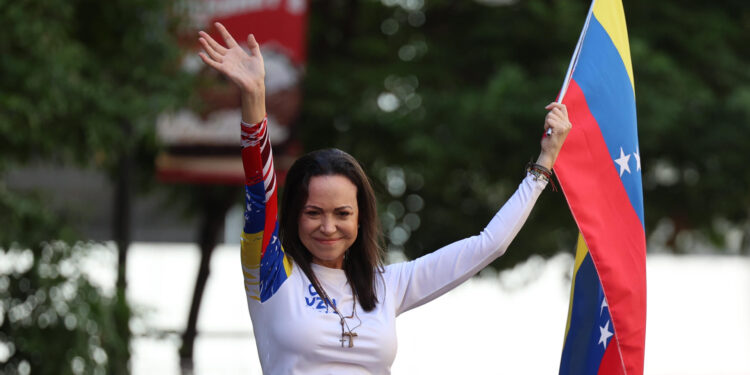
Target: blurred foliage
(443, 103)
(82, 82)
(692, 71)
(53, 319)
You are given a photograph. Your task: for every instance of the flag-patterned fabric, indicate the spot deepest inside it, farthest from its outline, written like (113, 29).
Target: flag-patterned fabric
(265, 266)
(599, 169)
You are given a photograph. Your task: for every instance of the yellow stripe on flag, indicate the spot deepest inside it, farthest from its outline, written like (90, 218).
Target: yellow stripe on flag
(251, 244)
(287, 264)
(611, 16)
(581, 251)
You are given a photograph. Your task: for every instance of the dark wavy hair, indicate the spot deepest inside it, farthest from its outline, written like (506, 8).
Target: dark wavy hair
(365, 257)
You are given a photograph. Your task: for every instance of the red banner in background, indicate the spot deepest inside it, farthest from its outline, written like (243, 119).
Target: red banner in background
(203, 146)
(281, 27)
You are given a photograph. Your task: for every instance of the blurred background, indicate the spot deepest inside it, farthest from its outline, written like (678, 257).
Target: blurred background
(120, 177)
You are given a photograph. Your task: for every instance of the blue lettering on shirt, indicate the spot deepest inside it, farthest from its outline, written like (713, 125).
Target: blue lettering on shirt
(314, 297)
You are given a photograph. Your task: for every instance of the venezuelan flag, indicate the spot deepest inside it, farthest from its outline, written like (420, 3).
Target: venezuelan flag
(599, 169)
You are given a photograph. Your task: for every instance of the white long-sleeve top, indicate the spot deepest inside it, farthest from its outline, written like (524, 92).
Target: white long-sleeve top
(296, 333)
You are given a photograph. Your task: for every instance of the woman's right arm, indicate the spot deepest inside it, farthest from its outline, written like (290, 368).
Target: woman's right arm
(426, 278)
(264, 264)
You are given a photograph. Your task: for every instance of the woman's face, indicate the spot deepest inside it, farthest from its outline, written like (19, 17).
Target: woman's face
(329, 219)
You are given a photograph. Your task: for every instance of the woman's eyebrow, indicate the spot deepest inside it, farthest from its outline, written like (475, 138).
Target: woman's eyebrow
(313, 207)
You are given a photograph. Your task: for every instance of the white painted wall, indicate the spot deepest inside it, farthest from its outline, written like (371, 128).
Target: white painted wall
(507, 323)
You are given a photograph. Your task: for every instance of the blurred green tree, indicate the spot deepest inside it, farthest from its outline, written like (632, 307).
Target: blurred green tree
(443, 103)
(82, 81)
(692, 69)
(53, 319)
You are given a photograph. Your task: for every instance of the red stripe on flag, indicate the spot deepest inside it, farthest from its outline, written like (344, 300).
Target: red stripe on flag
(609, 224)
(252, 165)
(270, 222)
(611, 363)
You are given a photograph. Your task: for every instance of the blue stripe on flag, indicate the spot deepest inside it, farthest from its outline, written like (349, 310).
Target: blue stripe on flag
(255, 212)
(582, 352)
(605, 83)
(272, 271)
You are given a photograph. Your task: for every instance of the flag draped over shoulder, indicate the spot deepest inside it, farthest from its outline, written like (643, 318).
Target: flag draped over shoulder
(599, 169)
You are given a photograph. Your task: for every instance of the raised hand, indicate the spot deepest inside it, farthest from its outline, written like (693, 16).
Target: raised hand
(243, 69)
(557, 122)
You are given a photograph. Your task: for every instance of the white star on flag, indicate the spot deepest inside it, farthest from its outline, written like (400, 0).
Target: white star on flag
(622, 161)
(637, 161)
(605, 334)
(604, 304)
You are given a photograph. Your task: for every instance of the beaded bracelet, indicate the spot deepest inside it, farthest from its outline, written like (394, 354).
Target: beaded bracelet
(539, 171)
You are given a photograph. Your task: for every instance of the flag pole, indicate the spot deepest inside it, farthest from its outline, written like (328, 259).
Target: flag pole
(573, 60)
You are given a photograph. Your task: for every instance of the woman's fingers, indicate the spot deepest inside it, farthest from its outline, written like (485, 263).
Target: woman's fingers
(253, 44)
(211, 52)
(214, 44)
(231, 43)
(209, 62)
(556, 121)
(557, 112)
(553, 117)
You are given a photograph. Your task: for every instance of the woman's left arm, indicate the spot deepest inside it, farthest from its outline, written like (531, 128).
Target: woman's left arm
(265, 265)
(434, 274)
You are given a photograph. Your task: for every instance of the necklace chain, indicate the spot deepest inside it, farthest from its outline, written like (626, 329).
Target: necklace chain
(350, 334)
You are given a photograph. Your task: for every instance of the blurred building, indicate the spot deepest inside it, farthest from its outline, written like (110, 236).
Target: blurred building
(85, 200)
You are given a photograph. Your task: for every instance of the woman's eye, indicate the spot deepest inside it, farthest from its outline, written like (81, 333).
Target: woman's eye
(344, 213)
(311, 213)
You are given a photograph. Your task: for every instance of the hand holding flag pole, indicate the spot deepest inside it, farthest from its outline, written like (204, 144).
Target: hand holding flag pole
(557, 121)
(572, 63)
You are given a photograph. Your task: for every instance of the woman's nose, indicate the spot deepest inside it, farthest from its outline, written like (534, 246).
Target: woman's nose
(327, 226)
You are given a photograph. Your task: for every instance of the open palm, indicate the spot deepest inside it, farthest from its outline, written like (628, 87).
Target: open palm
(245, 70)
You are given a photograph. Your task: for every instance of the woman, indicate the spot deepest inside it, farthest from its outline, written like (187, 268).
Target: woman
(319, 297)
